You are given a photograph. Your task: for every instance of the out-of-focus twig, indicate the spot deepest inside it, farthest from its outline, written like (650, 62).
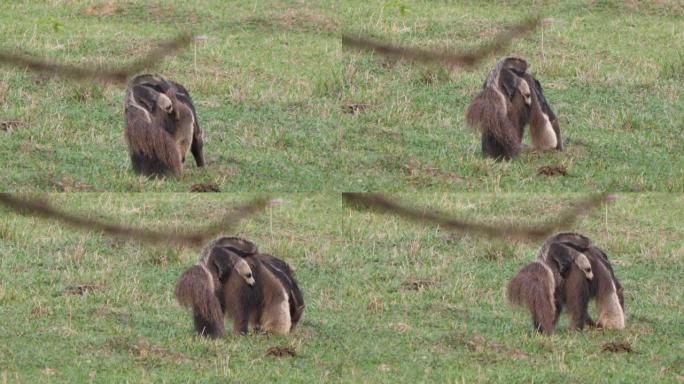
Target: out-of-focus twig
(172, 235)
(106, 75)
(464, 59)
(537, 232)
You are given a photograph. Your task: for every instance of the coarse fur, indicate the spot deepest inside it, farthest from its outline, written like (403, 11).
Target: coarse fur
(199, 287)
(161, 125)
(583, 244)
(284, 273)
(604, 286)
(274, 304)
(494, 113)
(257, 291)
(542, 288)
(533, 287)
(574, 295)
(242, 247)
(195, 290)
(572, 291)
(510, 99)
(544, 126)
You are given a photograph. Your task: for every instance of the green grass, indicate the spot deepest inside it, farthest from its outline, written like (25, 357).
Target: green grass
(361, 323)
(271, 81)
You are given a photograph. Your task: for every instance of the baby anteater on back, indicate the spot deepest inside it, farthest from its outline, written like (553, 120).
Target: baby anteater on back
(256, 290)
(160, 126)
(510, 99)
(604, 287)
(568, 272)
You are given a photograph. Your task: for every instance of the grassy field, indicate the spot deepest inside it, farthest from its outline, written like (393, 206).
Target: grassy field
(273, 85)
(387, 301)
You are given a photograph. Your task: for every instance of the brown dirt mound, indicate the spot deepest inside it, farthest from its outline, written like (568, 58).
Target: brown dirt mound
(281, 351)
(552, 170)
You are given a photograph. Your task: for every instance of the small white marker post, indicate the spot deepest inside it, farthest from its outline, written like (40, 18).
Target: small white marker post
(197, 40)
(545, 21)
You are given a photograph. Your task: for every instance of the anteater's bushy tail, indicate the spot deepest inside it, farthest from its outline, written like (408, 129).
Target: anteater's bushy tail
(194, 292)
(533, 288)
(487, 113)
